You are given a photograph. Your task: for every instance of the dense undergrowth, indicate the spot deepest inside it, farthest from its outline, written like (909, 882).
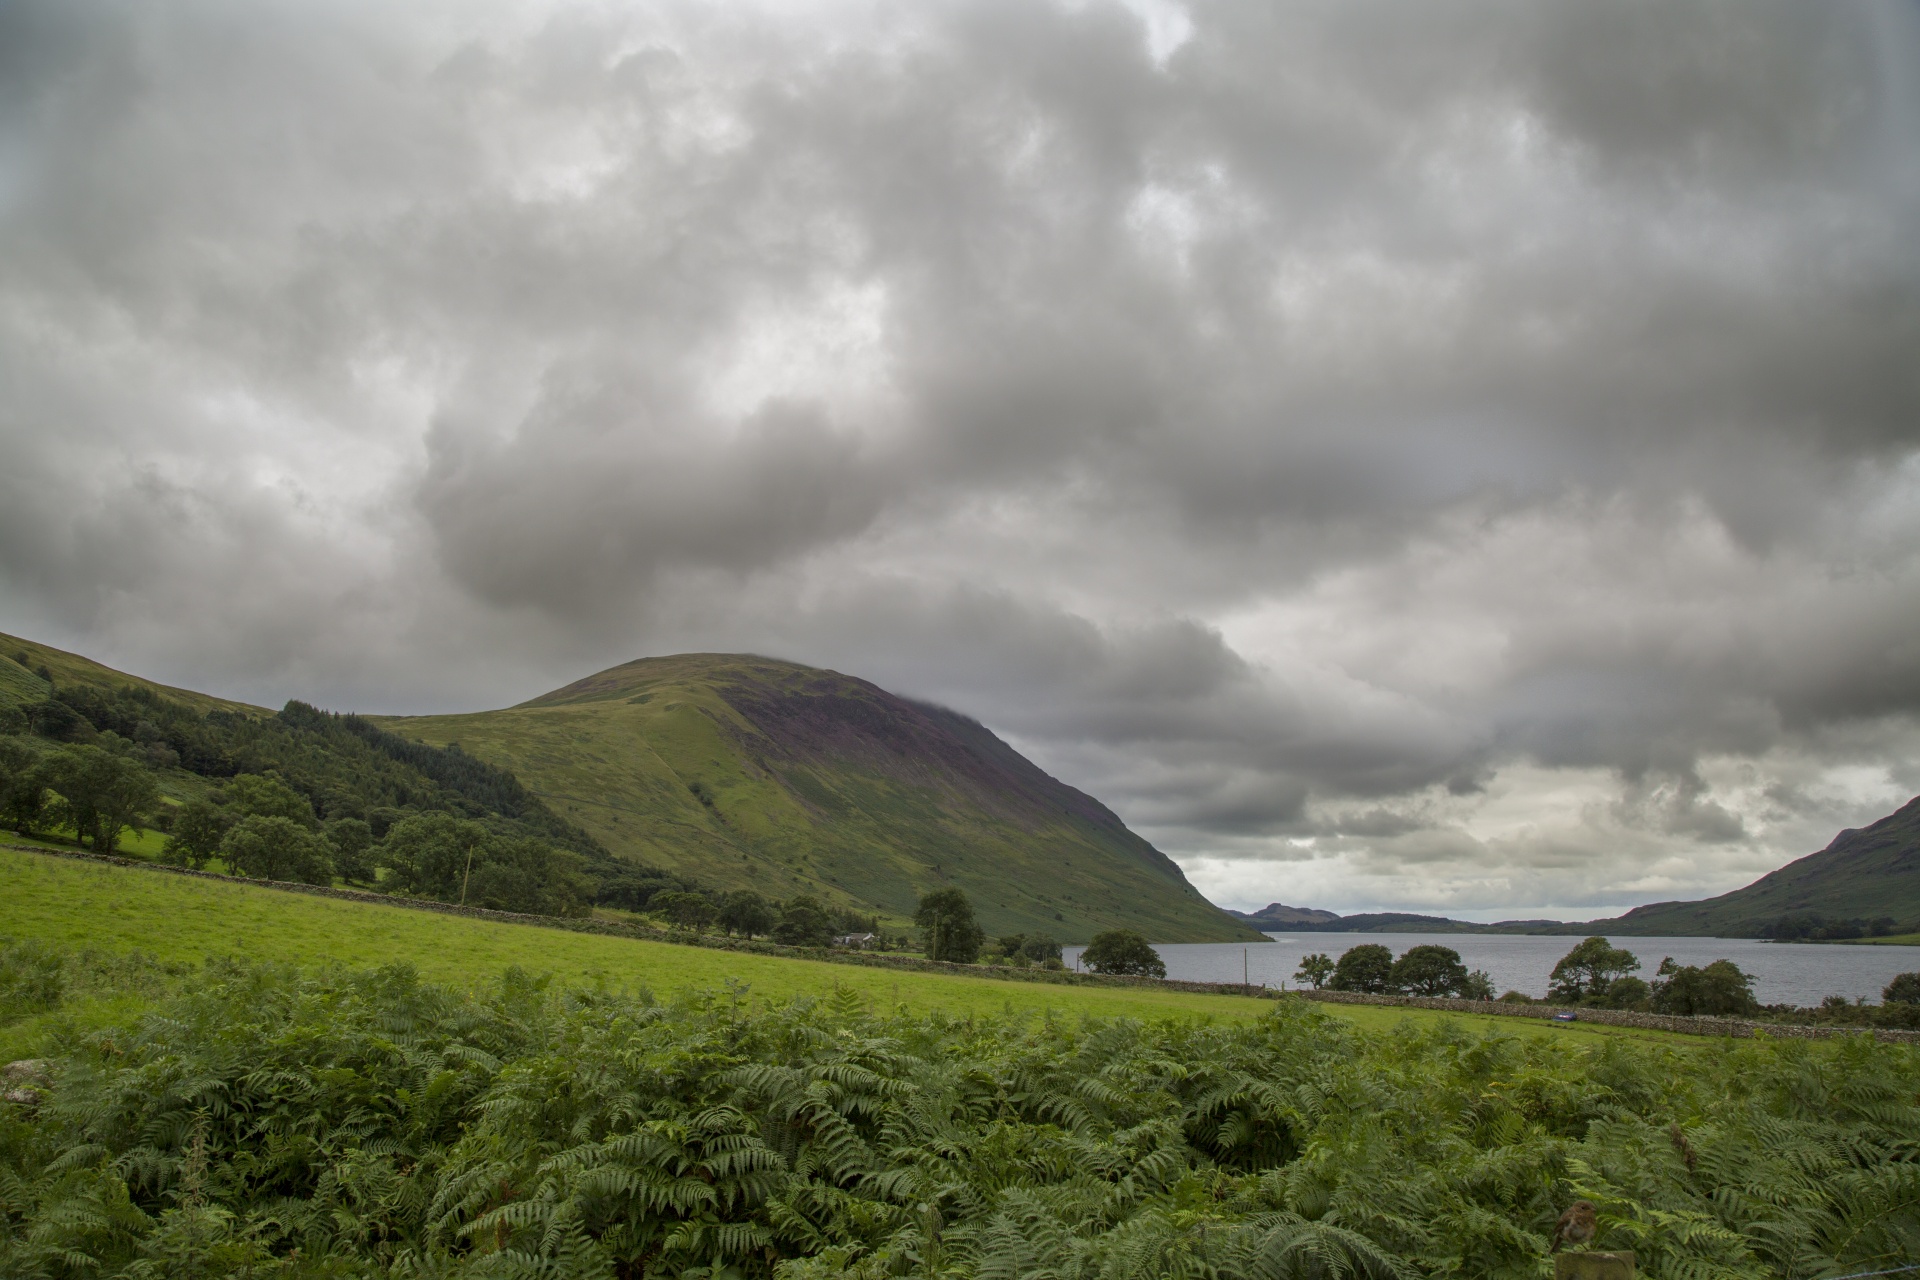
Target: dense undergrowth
(266, 1122)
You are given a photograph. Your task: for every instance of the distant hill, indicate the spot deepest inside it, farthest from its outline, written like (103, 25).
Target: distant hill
(1865, 875)
(749, 772)
(1867, 881)
(1278, 915)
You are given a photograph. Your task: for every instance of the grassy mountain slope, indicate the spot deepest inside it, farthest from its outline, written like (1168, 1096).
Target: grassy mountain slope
(749, 772)
(21, 660)
(1868, 873)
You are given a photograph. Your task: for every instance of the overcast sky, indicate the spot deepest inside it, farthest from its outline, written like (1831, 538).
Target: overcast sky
(1441, 456)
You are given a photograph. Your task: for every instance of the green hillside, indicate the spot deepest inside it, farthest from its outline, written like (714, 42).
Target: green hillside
(21, 661)
(746, 772)
(722, 772)
(1865, 875)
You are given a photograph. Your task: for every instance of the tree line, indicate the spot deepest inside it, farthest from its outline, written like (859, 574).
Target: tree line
(303, 795)
(1594, 974)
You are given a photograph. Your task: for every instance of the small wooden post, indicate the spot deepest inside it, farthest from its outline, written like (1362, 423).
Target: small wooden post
(1593, 1266)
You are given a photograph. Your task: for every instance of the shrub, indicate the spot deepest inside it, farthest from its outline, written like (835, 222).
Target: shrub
(1625, 993)
(1478, 986)
(1904, 989)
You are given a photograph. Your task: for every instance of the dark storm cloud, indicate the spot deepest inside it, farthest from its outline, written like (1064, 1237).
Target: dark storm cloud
(1454, 437)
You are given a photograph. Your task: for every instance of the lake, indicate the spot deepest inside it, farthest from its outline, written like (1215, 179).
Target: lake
(1783, 973)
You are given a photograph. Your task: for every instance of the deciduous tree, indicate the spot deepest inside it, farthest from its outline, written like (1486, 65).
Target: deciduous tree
(101, 793)
(276, 848)
(1125, 952)
(198, 828)
(23, 788)
(945, 919)
(1719, 989)
(1040, 948)
(1315, 968)
(529, 876)
(803, 923)
(1429, 970)
(687, 910)
(746, 913)
(1366, 968)
(1588, 969)
(266, 795)
(432, 855)
(351, 838)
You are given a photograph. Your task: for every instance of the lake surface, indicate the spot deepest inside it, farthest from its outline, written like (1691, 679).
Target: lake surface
(1783, 973)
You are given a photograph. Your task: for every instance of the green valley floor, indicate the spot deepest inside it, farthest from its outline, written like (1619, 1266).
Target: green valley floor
(181, 919)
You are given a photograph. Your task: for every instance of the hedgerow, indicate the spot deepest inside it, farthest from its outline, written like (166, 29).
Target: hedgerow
(367, 1123)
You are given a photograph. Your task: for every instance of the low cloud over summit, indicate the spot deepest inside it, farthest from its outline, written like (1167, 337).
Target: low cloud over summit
(1460, 456)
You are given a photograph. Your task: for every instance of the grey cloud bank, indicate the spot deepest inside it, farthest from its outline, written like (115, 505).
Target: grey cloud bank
(1450, 456)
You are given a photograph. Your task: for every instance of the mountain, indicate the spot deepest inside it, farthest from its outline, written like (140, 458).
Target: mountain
(1866, 881)
(1868, 874)
(1278, 915)
(748, 772)
(722, 770)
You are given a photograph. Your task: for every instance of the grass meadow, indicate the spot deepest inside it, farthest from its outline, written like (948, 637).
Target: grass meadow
(185, 920)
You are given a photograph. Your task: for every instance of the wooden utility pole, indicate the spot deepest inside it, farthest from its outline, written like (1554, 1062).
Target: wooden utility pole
(467, 876)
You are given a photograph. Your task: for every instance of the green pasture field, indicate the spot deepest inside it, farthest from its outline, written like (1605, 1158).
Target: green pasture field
(185, 920)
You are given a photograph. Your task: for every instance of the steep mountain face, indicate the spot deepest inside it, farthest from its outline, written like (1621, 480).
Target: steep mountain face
(1872, 873)
(748, 772)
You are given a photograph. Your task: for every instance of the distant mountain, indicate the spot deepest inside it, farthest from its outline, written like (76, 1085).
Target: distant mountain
(1278, 915)
(749, 772)
(1866, 881)
(1865, 875)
